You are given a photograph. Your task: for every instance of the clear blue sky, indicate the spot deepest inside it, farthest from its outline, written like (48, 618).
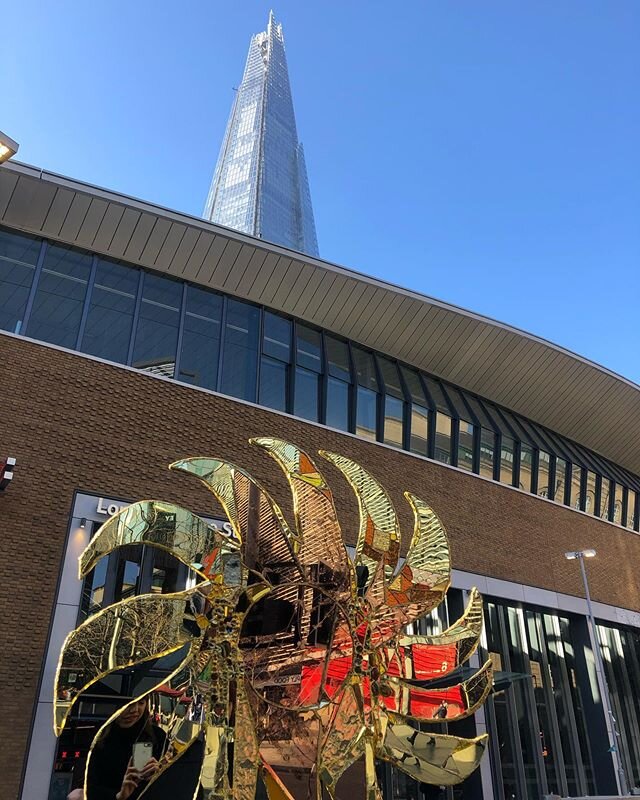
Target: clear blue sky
(485, 153)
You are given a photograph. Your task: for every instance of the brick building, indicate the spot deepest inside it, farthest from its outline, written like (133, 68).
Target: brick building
(131, 336)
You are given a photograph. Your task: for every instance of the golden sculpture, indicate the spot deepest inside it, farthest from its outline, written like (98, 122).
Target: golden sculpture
(289, 648)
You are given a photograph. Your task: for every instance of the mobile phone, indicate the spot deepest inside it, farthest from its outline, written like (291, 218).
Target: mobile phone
(142, 752)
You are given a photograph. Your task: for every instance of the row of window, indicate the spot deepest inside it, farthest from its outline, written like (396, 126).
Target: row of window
(124, 314)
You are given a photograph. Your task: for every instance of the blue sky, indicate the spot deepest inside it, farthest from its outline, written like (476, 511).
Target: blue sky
(485, 153)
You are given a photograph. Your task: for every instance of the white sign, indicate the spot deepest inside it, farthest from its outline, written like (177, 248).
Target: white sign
(108, 508)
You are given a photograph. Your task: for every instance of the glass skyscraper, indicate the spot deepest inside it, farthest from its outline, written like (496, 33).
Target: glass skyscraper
(260, 182)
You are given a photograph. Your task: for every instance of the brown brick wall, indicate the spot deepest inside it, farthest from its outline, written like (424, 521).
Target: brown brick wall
(78, 424)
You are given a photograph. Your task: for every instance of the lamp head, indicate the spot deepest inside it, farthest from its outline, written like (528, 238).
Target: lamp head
(589, 553)
(8, 147)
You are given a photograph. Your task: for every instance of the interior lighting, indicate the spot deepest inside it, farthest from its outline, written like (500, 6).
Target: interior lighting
(83, 522)
(8, 147)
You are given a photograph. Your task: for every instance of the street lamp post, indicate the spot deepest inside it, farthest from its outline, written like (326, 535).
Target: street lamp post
(610, 720)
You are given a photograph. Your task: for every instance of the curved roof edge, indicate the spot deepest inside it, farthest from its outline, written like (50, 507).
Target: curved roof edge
(542, 381)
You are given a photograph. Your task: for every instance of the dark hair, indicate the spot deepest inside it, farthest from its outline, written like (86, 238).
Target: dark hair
(147, 728)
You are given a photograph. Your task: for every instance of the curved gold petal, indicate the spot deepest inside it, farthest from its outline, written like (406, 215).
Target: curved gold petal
(344, 742)
(256, 519)
(442, 705)
(431, 757)
(423, 579)
(125, 634)
(168, 527)
(427, 657)
(319, 535)
(378, 543)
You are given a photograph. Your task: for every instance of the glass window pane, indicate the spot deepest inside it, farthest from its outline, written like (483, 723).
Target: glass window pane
(18, 258)
(443, 438)
(437, 394)
(617, 504)
(57, 306)
(605, 498)
(157, 334)
(276, 341)
(507, 449)
(107, 333)
(273, 384)
(590, 499)
(561, 480)
(393, 420)
(390, 376)
(526, 466)
(337, 404)
(201, 338)
(465, 445)
(487, 450)
(544, 464)
(366, 413)
(308, 348)
(365, 369)
(240, 356)
(305, 401)
(576, 486)
(338, 358)
(631, 509)
(414, 386)
(419, 436)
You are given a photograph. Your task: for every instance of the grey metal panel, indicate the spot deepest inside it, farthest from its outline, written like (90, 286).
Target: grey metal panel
(227, 268)
(92, 222)
(343, 306)
(299, 285)
(29, 204)
(139, 237)
(108, 227)
(323, 315)
(264, 278)
(280, 298)
(317, 277)
(123, 232)
(75, 217)
(169, 246)
(194, 262)
(384, 321)
(221, 247)
(257, 259)
(155, 241)
(405, 316)
(255, 268)
(360, 322)
(319, 297)
(8, 182)
(183, 253)
(57, 212)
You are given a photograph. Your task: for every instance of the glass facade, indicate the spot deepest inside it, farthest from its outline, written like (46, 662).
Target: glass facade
(172, 328)
(260, 183)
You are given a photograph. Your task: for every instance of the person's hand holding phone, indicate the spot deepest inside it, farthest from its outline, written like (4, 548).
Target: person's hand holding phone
(129, 782)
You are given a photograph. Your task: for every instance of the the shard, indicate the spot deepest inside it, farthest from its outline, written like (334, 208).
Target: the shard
(260, 182)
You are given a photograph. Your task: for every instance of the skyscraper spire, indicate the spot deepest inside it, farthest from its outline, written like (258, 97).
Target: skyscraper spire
(260, 183)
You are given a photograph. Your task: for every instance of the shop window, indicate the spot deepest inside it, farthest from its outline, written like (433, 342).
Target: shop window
(107, 333)
(60, 295)
(240, 350)
(465, 445)
(337, 412)
(443, 438)
(526, 466)
(156, 338)
(507, 450)
(544, 463)
(18, 259)
(200, 349)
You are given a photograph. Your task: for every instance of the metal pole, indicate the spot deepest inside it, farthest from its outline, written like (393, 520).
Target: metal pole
(604, 686)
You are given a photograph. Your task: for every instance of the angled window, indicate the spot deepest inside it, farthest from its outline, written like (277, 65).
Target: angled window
(367, 394)
(60, 296)
(526, 466)
(107, 332)
(444, 431)
(419, 416)
(275, 362)
(18, 259)
(156, 337)
(560, 482)
(393, 431)
(338, 383)
(576, 486)
(240, 350)
(507, 459)
(306, 394)
(544, 471)
(200, 349)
